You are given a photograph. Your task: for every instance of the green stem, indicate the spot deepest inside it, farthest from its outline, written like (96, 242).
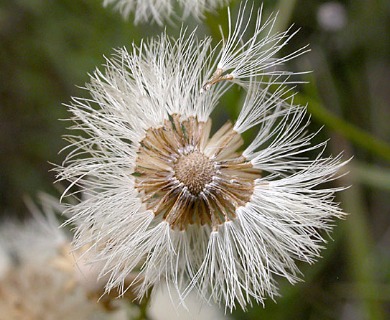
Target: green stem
(357, 136)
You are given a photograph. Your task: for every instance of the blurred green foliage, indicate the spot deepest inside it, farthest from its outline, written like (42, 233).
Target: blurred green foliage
(48, 47)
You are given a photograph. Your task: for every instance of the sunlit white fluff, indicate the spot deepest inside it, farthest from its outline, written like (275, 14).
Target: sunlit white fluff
(238, 55)
(149, 88)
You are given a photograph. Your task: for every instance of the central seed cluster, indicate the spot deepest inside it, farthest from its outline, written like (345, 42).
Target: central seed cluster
(187, 177)
(194, 170)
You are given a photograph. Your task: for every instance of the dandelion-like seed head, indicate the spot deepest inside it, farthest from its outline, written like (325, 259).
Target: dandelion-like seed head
(41, 280)
(177, 201)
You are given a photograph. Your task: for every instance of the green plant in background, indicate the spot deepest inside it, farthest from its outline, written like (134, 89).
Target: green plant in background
(46, 47)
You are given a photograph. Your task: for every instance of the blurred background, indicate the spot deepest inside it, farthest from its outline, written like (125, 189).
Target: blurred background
(47, 49)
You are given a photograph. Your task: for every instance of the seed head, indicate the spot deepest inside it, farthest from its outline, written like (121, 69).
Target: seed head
(200, 210)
